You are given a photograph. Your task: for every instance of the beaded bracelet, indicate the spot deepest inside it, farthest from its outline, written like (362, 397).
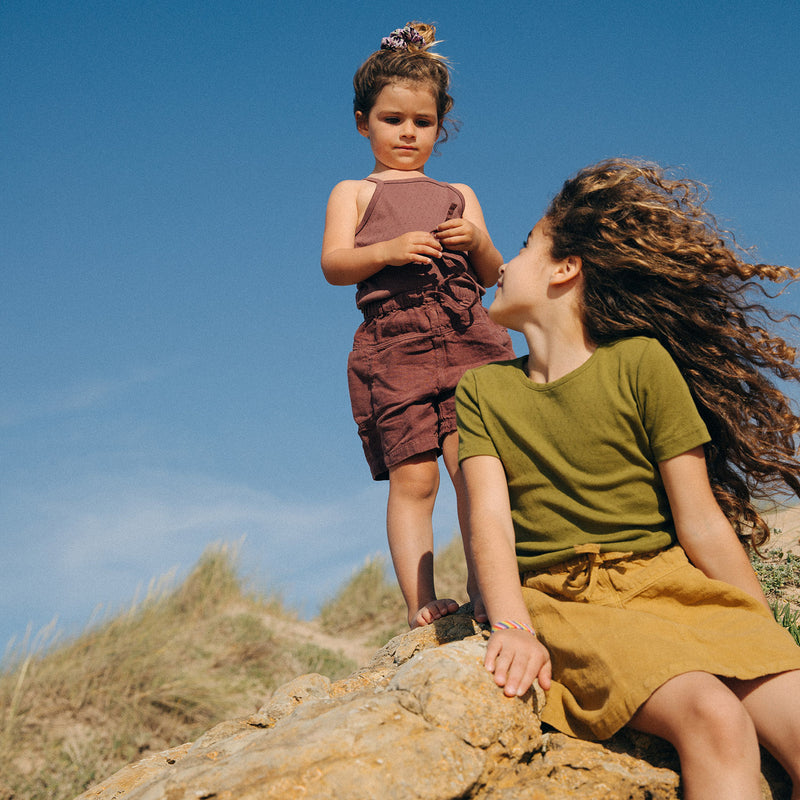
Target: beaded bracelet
(510, 624)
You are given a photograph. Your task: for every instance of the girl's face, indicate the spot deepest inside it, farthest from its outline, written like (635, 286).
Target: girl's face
(524, 281)
(402, 127)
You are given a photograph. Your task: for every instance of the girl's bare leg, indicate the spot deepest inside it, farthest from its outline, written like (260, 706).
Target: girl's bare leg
(450, 458)
(713, 733)
(413, 485)
(773, 704)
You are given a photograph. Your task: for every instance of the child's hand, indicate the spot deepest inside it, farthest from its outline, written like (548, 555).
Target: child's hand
(516, 658)
(459, 234)
(417, 247)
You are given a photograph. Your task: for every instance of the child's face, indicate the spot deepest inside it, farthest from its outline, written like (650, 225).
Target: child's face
(402, 126)
(524, 281)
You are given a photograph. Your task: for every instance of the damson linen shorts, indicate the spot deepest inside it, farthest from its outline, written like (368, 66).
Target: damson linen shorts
(404, 367)
(617, 627)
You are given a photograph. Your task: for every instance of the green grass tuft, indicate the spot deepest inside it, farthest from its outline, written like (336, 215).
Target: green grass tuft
(789, 617)
(777, 571)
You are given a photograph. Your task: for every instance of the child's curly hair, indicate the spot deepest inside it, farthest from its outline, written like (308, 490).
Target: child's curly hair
(655, 263)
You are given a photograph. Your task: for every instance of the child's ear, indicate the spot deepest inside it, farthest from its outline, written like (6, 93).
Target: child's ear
(567, 270)
(362, 123)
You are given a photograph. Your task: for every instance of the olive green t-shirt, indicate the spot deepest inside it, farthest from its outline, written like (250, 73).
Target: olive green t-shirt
(581, 453)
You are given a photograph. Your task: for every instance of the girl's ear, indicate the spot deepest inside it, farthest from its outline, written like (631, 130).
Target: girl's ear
(566, 270)
(362, 123)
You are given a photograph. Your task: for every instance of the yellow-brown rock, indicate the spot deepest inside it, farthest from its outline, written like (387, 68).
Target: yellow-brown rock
(424, 721)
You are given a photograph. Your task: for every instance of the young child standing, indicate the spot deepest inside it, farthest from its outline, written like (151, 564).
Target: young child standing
(610, 470)
(420, 255)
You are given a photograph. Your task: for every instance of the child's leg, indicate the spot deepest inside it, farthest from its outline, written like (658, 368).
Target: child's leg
(412, 492)
(711, 730)
(773, 703)
(450, 458)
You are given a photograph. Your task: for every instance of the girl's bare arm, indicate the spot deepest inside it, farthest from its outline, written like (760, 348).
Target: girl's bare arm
(343, 263)
(703, 530)
(514, 656)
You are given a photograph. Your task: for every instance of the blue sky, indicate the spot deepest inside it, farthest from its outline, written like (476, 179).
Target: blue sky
(172, 362)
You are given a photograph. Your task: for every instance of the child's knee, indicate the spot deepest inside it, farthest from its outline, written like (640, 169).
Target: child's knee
(415, 480)
(723, 723)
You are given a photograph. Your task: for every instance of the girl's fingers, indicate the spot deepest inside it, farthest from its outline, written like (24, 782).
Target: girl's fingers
(491, 655)
(517, 675)
(545, 675)
(516, 668)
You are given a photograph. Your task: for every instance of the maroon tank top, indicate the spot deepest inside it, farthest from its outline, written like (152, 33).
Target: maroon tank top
(400, 206)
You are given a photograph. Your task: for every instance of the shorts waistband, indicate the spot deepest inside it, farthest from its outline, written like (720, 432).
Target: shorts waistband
(455, 294)
(379, 307)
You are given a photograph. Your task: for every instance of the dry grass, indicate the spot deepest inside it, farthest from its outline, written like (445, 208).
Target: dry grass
(152, 678)
(185, 658)
(370, 603)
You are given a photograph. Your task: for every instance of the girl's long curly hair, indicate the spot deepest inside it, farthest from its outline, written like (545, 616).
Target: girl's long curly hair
(655, 263)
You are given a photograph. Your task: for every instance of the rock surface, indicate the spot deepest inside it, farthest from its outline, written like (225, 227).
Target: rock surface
(423, 721)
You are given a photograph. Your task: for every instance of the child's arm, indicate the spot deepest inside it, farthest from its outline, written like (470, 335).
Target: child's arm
(703, 530)
(514, 656)
(469, 234)
(343, 263)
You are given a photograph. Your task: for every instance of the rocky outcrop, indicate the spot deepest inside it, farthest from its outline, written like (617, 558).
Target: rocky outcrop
(423, 721)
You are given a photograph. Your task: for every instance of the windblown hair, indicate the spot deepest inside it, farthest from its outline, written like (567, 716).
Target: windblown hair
(655, 263)
(417, 64)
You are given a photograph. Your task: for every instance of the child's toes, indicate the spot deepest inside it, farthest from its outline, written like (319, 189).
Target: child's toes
(436, 609)
(423, 617)
(441, 608)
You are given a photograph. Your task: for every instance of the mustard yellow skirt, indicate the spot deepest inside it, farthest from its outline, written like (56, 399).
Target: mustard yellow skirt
(617, 627)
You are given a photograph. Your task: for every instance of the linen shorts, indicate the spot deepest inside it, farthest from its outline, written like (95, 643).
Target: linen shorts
(618, 627)
(404, 367)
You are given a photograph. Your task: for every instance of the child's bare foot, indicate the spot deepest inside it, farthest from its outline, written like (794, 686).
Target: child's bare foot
(479, 610)
(436, 609)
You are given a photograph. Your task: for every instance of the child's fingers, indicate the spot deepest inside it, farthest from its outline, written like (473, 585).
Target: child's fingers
(499, 658)
(492, 651)
(416, 246)
(450, 224)
(457, 234)
(516, 659)
(421, 250)
(545, 675)
(521, 672)
(450, 229)
(500, 667)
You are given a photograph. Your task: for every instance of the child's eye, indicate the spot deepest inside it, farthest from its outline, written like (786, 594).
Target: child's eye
(424, 123)
(391, 120)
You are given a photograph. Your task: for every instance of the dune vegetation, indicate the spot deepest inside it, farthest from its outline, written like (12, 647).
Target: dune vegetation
(210, 649)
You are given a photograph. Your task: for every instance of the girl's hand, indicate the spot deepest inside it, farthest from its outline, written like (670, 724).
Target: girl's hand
(516, 658)
(417, 247)
(459, 234)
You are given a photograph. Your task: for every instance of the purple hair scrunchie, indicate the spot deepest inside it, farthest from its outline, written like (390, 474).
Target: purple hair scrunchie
(401, 38)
